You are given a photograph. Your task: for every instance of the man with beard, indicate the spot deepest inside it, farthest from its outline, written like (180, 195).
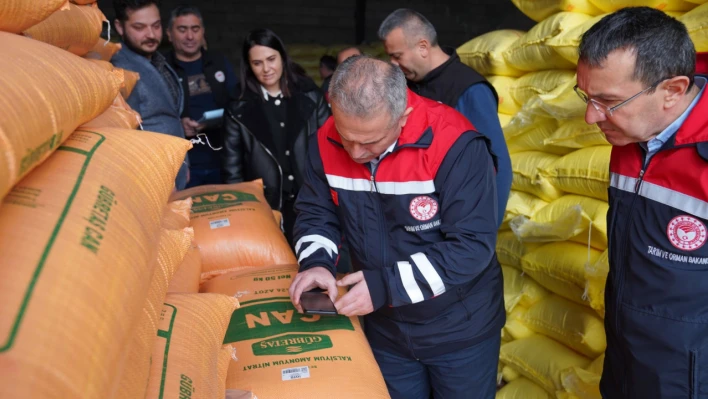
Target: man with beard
(158, 96)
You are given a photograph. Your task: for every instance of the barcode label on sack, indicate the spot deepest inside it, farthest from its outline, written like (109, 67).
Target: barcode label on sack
(217, 224)
(296, 373)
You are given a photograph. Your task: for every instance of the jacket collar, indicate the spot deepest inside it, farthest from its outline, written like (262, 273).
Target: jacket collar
(695, 128)
(171, 57)
(441, 68)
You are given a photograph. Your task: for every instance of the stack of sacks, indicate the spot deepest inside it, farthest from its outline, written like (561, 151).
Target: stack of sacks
(308, 55)
(553, 242)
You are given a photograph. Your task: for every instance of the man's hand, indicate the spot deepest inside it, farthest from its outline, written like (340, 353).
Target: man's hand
(309, 279)
(356, 302)
(191, 127)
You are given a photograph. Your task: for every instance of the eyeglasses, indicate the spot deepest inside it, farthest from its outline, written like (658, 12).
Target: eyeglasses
(604, 109)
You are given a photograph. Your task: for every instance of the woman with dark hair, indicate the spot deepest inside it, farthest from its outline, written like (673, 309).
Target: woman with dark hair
(268, 124)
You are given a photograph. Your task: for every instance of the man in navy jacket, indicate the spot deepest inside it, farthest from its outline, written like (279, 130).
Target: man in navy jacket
(411, 185)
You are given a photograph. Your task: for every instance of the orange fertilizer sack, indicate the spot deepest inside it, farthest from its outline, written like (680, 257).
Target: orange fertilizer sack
(18, 15)
(74, 30)
(187, 354)
(171, 251)
(286, 355)
(103, 50)
(46, 94)
(234, 227)
(117, 117)
(78, 237)
(188, 275)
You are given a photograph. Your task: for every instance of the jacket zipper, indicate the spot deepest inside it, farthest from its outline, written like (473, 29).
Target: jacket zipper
(623, 256)
(280, 169)
(382, 223)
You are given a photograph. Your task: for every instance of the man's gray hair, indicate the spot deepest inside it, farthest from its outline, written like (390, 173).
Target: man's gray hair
(415, 26)
(181, 11)
(363, 86)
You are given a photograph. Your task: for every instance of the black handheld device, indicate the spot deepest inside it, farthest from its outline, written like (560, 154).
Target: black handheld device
(317, 302)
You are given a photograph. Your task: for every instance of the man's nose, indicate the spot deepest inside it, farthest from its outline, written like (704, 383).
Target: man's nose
(150, 33)
(592, 115)
(394, 62)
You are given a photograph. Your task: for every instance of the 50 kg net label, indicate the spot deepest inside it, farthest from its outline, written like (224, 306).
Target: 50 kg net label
(296, 373)
(217, 224)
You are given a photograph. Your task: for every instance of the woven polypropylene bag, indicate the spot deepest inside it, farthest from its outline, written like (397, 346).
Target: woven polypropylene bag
(186, 355)
(522, 388)
(287, 355)
(532, 52)
(74, 30)
(130, 78)
(77, 239)
(46, 94)
(573, 325)
(117, 117)
(541, 360)
(526, 178)
(103, 50)
(502, 84)
(188, 276)
(173, 246)
(510, 249)
(484, 53)
(234, 227)
(520, 289)
(18, 15)
(696, 22)
(583, 172)
(560, 268)
(576, 133)
(664, 5)
(538, 10)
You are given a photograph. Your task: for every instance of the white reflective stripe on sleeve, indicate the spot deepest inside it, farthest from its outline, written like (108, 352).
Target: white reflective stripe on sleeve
(348, 184)
(408, 279)
(622, 182)
(408, 187)
(318, 242)
(428, 271)
(662, 195)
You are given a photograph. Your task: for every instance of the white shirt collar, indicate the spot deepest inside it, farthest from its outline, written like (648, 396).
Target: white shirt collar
(265, 93)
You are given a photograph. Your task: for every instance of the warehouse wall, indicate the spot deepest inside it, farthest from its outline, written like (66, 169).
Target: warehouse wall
(333, 21)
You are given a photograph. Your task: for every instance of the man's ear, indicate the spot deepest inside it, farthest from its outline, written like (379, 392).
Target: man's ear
(404, 118)
(674, 89)
(119, 26)
(423, 47)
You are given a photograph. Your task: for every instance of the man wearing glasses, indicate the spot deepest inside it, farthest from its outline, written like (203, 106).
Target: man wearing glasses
(636, 73)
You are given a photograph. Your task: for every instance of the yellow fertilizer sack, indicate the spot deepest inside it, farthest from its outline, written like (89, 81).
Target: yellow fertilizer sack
(234, 227)
(579, 383)
(510, 249)
(596, 277)
(504, 119)
(540, 10)
(508, 374)
(534, 140)
(80, 232)
(187, 352)
(171, 250)
(561, 103)
(39, 111)
(503, 85)
(484, 53)
(515, 326)
(532, 52)
(522, 388)
(567, 218)
(286, 355)
(573, 325)
(584, 172)
(696, 22)
(560, 267)
(74, 30)
(541, 360)
(664, 5)
(18, 15)
(525, 167)
(541, 82)
(522, 204)
(566, 44)
(576, 133)
(520, 289)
